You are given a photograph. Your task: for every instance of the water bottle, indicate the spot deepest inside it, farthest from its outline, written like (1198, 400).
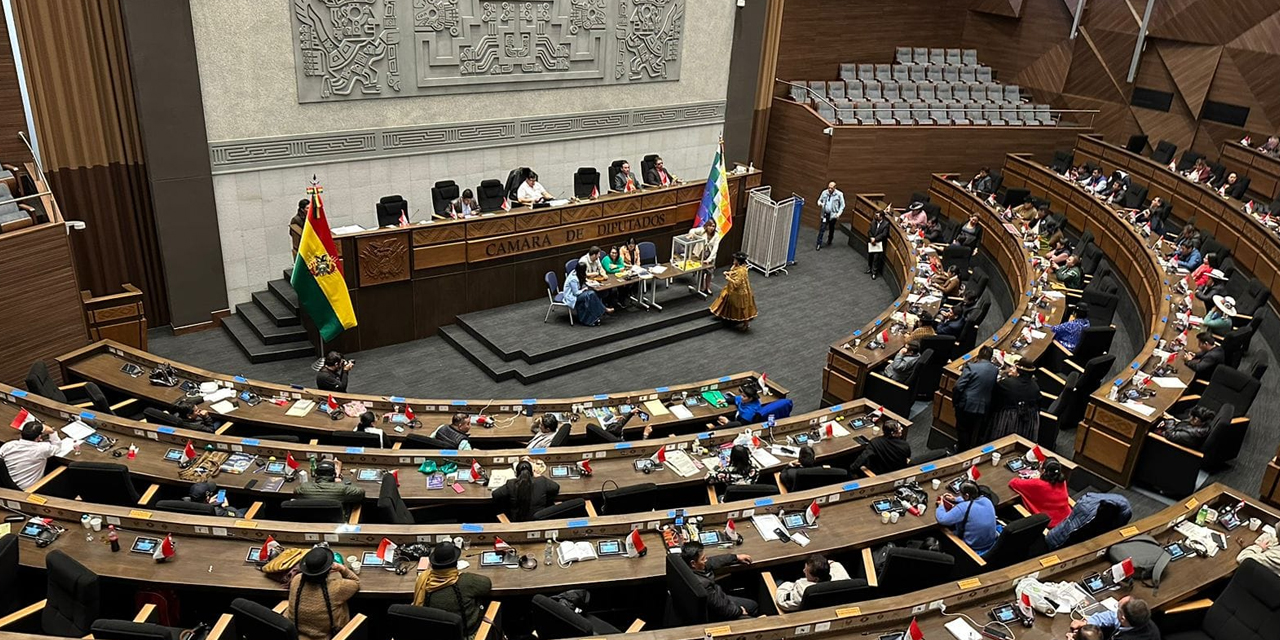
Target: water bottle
(771, 423)
(546, 556)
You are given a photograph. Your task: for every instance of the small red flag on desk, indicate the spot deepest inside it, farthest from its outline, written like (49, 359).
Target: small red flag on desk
(877, 414)
(914, 632)
(1248, 207)
(973, 473)
(386, 551)
(1122, 570)
(165, 550)
(1038, 453)
(333, 404)
(404, 219)
(506, 204)
(21, 420)
(595, 192)
(661, 456)
(635, 545)
(500, 546)
(290, 462)
(408, 413)
(831, 429)
(811, 514)
(265, 552)
(1173, 358)
(731, 530)
(476, 471)
(188, 453)
(585, 466)
(395, 475)
(884, 336)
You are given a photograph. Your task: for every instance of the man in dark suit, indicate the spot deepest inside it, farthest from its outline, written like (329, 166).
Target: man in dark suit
(1210, 357)
(972, 396)
(658, 175)
(333, 375)
(625, 180)
(877, 234)
(983, 183)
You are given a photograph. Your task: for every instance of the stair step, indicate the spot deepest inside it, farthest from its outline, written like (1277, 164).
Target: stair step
(258, 352)
(276, 309)
(283, 291)
(267, 331)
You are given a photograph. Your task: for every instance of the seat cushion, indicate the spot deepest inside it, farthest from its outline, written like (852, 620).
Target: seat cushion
(1188, 635)
(600, 627)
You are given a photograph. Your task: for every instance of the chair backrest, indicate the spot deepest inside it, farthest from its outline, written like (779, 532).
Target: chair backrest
(1020, 540)
(983, 75)
(9, 585)
(253, 620)
(1163, 152)
(188, 507)
(444, 192)
(391, 506)
(968, 75)
(553, 619)
(1102, 306)
(408, 621)
(489, 195)
(553, 283)
(909, 91)
(570, 266)
(905, 570)
(73, 597)
(951, 74)
(814, 477)
(686, 597)
(159, 416)
(943, 93)
(953, 57)
(872, 92)
(920, 55)
(937, 56)
(1224, 440)
(585, 179)
(853, 90)
(902, 55)
(419, 441)
(866, 71)
(355, 439)
(835, 592)
(313, 510)
(633, 498)
(749, 491)
(39, 382)
(891, 92)
(969, 57)
(103, 482)
(514, 178)
(650, 161)
(926, 92)
(1247, 607)
(960, 92)
(1012, 93)
(567, 509)
(1230, 387)
(561, 436)
(1135, 196)
(835, 89)
(648, 253)
(901, 72)
(848, 71)
(929, 372)
(818, 87)
(130, 630)
(1068, 407)
(389, 209)
(884, 72)
(1095, 370)
(1094, 342)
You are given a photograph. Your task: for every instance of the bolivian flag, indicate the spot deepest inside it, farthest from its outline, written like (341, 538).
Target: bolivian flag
(715, 197)
(317, 274)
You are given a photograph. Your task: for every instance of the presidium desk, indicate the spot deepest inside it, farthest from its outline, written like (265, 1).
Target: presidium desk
(407, 282)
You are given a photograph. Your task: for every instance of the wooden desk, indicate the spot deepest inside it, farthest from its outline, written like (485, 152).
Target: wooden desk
(1110, 439)
(1270, 490)
(1013, 260)
(610, 462)
(100, 362)
(1255, 248)
(845, 525)
(407, 282)
(1263, 170)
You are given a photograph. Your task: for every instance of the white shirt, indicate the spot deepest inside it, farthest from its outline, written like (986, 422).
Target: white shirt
(541, 441)
(527, 193)
(594, 267)
(790, 593)
(26, 459)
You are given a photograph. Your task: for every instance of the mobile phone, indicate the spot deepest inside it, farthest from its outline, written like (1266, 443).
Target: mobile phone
(251, 484)
(1176, 551)
(782, 534)
(221, 497)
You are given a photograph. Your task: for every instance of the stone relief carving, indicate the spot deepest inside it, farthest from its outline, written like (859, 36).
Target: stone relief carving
(363, 49)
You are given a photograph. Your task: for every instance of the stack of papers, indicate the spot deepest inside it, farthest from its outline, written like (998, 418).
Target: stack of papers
(1140, 408)
(1169, 383)
(223, 406)
(300, 408)
(220, 394)
(680, 411)
(766, 524)
(764, 459)
(655, 408)
(680, 462)
(499, 477)
(77, 430)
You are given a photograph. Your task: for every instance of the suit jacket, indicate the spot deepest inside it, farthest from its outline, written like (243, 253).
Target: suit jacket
(719, 606)
(1205, 363)
(544, 494)
(620, 181)
(878, 231)
(330, 381)
(654, 177)
(984, 184)
(973, 389)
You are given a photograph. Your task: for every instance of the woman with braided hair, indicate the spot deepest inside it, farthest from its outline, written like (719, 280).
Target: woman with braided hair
(444, 587)
(318, 595)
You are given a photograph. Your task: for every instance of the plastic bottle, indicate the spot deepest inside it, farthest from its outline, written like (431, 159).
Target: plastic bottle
(113, 538)
(546, 556)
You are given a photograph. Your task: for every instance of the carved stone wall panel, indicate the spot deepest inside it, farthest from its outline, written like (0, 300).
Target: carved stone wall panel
(363, 49)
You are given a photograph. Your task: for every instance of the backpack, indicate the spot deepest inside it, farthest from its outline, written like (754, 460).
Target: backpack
(1149, 558)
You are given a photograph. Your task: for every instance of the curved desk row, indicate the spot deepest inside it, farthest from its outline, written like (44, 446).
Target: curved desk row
(1263, 170)
(1013, 260)
(1110, 439)
(101, 363)
(609, 462)
(846, 524)
(1255, 247)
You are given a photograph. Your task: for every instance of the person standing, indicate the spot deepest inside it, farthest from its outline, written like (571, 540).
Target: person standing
(877, 234)
(1017, 404)
(831, 205)
(736, 302)
(973, 396)
(333, 375)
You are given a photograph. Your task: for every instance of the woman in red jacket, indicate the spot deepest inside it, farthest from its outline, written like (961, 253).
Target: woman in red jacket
(1046, 494)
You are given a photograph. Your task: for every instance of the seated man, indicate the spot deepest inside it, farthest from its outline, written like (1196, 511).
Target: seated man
(971, 516)
(544, 431)
(817, 569)
(531, 191)
(1209, 358)
(192, 418)
(1188, 256)
(1071, 275)
(950, 321)
(903, 364)
(465, 206)
(26, 457)
(885, 453)
(326, 485)
(720, 605)
(1191, 432)
(1131, 621)
(455, 433)
(982, 183)
(625, 181)
(658, 175)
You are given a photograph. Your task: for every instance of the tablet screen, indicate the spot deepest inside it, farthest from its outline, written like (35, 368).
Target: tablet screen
(96, 440)
(172, 455)
(371, 559)
(31, 530)
(559, 472)
(709, 537)
(882, 505)
(369, 475)
(275, 467)
(491, 558)
(795, 521)
(609, 547)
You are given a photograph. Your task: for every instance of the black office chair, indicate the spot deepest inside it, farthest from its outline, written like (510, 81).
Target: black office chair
(1136, 144)
(958, 256)
(103, 483)
(408, 621)
(893, 395)
(1177, 471)
(1090, 258)
(943, 347)
(686, 597)
(313, 510)
(187, 507)
(280, 438)
(514, 178)
(814, 477)
(1217, 172)
(255, 621)
(1062, 161)
(72, 597)
(1021, 539)
(39, 383)
(1102, 306)
(586, 180)
(1252, 297)
(553, 619)
(647, 163)
(390, 208)
(615, 168)
(561, 436)
(1247, 608)
(904, 570)
(1188, 159)
(1094, 342)
(1163, 153)
(1065, 411)
(130, 630)
(735, 492)
(355, 439)
(443, 193)
(1240, 188)
(1227, 387)
(419, 441)
(9, 585)
(835, 592)
(489, 195)
(1135, 196)
(977, 284)
(575, 508)
(633, 498)
(1014, 197)
(391, 507)
(597, 434)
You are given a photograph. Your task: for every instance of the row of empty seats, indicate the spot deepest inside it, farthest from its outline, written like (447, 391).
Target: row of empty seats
(925, 55)
(920, 113)
(916, 73)
(873, 90)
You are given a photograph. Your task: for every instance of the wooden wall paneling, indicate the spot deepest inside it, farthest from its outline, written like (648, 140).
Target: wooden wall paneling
(13, 117)
(1259, 71)
(392, 304)
(1121, 16)
(1208, 21)
(1230, 86)
(43, 315)
(1191, 66)
(795, 160)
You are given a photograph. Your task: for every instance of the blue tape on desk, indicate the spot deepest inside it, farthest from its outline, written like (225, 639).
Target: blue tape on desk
(86, 415)
(928, 467)
(250, 442)
(988, 449)
(19, 393)
(600, 396)
(458, 403)
(472, 528)
(1164, 318)
(857, 332)
(577, 523)
(537, 452)
(1118, 382)
(878, 321)
(966, 356)
(704, 435)
(662, 389)
(850, 486)
(355, 450)
(528, 401)
(836, 408)
(448, 452)
(724, 379)
(763, 502)
(296, 386)
(1014, 321)
(240, 379)
(995, 338)
(1155, 337)
(622, 445)
(897, 304)
(165, 430)
(396, 399)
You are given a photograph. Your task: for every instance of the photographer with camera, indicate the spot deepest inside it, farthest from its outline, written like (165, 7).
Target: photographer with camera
(333, 375)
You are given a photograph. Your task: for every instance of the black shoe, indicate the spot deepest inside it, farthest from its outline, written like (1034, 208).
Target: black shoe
(868, 271)
(818, 248)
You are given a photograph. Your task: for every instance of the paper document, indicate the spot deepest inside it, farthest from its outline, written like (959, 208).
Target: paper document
(766, 524)
(875, 247)
(655, 408)
(300, 408)
(837, 430)
(65, 446)
(223, 407)
(220, 394)
(657, 270)
(764, 459)
(1169, 383)
(1038, 334)
(351, 228)
(680, 462)
(1054, 295)
(77, 430)
(1140, 408)
(913, 298)
(680, 411)
(499, 477)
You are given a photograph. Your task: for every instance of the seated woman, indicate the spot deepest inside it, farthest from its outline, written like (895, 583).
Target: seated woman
(884, 453)
(915, 215)
(614, 264)
(947, 282)
(525, 494)
(738, 470)
(586, 305)
(971, 516)
(924, 328)
(817, 569)
(969, 233)
(806, 459)
(318, 595)
(1046, 493)
(1068, 333)
(1203, 273)
(1218, 320)
(1193, 431)
(447, 589)
(1199, 172)
(748, 402)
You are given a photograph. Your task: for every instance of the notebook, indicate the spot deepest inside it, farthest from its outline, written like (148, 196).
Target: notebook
(300, 408)
(680, 411)
(656, 408)
(680, 462)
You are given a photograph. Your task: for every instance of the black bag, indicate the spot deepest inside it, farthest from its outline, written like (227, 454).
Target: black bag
(1149, 558)
(576, 599)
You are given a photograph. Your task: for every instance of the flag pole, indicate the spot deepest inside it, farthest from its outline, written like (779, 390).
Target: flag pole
(315, 185)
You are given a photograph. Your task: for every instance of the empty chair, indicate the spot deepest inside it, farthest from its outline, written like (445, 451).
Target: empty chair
(1244, 611)
(813, 477)
(408, 621)
(943, 93)
(71, 599)
(953, 57)
(893, 395)
(1020, 540)
(391, 506)
(884, 73)
(871, 91)
(902, 113)
(902, 570)
(938, 114)
(313, 510)
(737, 492)
(633, 498)
(901, 72)
(130, 630)
(553, 619)
(866, 72)
(1102, 306)
(1163, 153)
(960, 93)
(419, 441)
(826, 111)
(798, 93)
(390, 208)
(586, 180)
(10, 587)
(1012, 94)
(956, 113)
(902, 55)
(253, 620)
(1026, 113)
(991, 113)
(968, 75)
(1043, 116)
(951, 74)
(1066, 411)
(1228, 387)
(574, 508)
(918, 73)
(995, 93)
(937, 56)
(836, 89)
(908, 91)
(490, 195)
(188, 507)
(890, 91)
(39, 383)
(848, 71)
(927, 92)
(884, 113)
(973, 113)
(934, 74)
(969, 57)
(1009, 113)
(443, 193)
(847, 115)
(103, 483)
(920, 55)
(818, 88)
(865, 115)
(853, 90)
(357, 439)
(983, 75)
